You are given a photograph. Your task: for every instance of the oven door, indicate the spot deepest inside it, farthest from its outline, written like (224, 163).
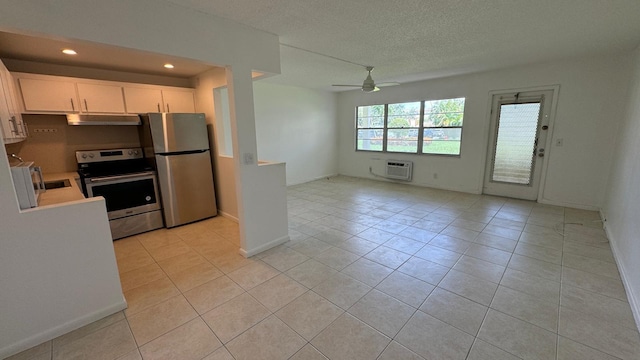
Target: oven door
(126, 195)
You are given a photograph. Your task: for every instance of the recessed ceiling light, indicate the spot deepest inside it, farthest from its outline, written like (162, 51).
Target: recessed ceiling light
(168, 66)
(69, 52)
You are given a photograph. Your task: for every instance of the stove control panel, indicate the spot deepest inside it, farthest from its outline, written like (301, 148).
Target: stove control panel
(89, 156)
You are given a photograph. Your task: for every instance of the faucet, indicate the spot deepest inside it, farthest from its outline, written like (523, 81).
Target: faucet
(16, 157)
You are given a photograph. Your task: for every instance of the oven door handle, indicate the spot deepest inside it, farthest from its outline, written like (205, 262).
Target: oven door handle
(120, 177)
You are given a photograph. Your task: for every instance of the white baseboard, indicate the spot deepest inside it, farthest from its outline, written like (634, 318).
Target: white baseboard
(228, 216)
(569, 205)
(416, 184)
(312, 179)
(69, 326)
(634, 302)
(267, 246)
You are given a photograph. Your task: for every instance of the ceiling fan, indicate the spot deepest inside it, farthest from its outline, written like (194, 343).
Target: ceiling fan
(369, 85)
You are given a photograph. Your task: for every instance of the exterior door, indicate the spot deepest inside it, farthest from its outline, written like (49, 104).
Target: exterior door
(519, 127)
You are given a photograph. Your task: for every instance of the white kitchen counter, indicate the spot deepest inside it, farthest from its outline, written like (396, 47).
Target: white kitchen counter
(61, 195)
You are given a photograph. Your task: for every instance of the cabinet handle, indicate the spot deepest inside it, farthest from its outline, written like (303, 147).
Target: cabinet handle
(73, 107)
(85, 105)
(15, 125)
(168, 109)
(21, 128)
(158, 107)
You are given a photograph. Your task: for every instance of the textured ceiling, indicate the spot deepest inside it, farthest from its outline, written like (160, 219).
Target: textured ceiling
(409, 40)
(406, 40)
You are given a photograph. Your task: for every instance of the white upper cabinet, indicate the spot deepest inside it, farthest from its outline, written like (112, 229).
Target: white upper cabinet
(179, 101)
(40, 95)
(11, 124)
(62, 95)
(98, 98)
(5, 117)
(143, 100)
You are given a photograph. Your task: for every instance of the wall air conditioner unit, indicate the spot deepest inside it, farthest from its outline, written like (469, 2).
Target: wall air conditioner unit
(399, 170)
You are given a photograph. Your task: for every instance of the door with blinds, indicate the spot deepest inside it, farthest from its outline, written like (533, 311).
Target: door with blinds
(519, 127)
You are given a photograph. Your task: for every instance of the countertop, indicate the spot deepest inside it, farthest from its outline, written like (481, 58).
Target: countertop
(61, 195)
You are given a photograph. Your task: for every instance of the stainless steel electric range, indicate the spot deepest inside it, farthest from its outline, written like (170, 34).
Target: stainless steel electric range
(129, 186)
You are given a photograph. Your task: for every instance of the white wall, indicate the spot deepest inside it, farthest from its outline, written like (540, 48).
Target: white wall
(57, 268)
(260, 189)
(623, 196)
(223, 174)
(589, 104)
(297, 126)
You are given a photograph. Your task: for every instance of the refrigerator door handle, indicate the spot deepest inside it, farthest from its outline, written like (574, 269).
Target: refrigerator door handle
(183, 152)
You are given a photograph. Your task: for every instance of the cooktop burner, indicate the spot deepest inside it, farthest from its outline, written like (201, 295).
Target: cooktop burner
(111, 162)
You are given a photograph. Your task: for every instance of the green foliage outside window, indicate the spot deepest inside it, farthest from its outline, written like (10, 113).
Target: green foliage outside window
(426, 127)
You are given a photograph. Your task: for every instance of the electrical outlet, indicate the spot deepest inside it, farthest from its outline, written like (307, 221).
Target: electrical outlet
(435, 176)
(248, 158)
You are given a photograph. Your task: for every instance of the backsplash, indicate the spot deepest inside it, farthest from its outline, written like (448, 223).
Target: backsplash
(55, 150)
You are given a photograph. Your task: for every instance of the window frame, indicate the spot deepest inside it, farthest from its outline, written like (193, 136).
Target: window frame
(383, 128)
(421, 129)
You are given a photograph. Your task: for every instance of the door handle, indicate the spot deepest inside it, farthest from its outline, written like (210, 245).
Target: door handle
(122, 177)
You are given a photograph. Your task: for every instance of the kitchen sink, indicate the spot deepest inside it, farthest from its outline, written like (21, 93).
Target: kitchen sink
(57, 184)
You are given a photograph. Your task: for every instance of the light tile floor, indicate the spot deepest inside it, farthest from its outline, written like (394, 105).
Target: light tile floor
(373, 271)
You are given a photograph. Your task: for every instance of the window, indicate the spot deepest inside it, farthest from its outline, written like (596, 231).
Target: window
(371, 127)
(403, 126)
(442, 129)
(422, 127)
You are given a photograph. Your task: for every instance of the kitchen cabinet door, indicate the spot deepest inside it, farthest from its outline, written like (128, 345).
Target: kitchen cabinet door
(49, 95)
(179, 101)
(96, 98)
(13, 128)
(142, 100)
(5, 118)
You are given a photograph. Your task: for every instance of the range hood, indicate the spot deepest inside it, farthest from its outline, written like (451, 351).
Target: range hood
(88, 119)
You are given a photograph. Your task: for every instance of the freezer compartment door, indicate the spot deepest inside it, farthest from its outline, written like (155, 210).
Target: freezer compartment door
(186, 187)
(173, 132)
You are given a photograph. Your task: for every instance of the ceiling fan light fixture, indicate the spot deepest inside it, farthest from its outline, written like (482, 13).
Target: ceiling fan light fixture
(369, 85)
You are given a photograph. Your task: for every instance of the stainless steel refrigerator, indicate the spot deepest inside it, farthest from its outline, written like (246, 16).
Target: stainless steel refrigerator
(177, 145)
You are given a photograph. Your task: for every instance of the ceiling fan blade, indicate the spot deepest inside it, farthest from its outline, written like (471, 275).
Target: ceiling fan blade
(388, 84)
(348, 85)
